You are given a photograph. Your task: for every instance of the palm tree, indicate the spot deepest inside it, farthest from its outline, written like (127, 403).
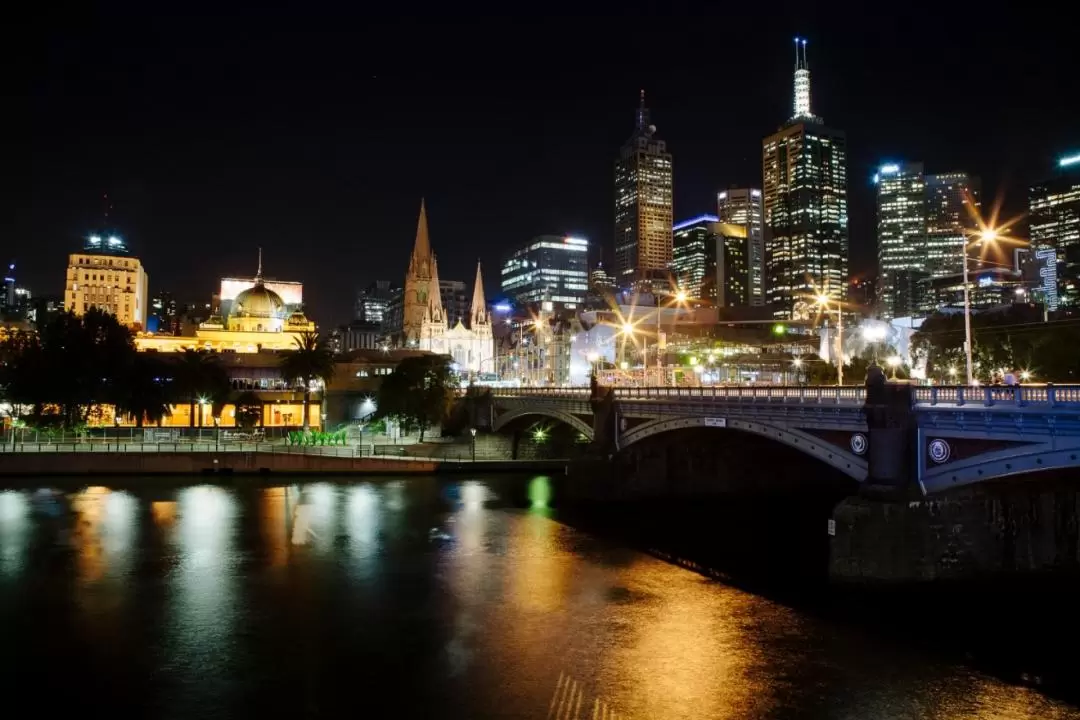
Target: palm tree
(311, 360)
(142, 391)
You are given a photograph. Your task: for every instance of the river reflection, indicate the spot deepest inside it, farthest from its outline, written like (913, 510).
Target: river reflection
(427, 597)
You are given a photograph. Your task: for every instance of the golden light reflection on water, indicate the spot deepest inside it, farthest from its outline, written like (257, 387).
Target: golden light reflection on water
(274, 524)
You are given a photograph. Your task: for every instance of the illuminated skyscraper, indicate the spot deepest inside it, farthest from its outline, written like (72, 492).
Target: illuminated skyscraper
(643, 213)
(742, 206)
(1054, 222)
(949, 221)
(550, 272)
(804, 169)
(901, 237)
(710, 261)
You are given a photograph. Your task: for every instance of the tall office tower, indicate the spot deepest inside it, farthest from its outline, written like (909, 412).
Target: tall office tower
(372, 301)
(105, 277)
(742, 206)
(643, 211)
(711, 261)
(1054, 223)
(548, 269)
(804, 169)
(693, 254)
(951, 199)
(901, 238)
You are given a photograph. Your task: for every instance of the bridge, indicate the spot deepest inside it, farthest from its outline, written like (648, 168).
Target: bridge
(936, 437)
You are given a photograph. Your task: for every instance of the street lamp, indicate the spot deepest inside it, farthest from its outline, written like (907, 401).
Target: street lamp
(894, 362)
(473, 432)
(823, 301)
(987, 235)
(217, 433)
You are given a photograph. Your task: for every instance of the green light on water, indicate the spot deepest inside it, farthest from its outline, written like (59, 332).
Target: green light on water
(539, 491)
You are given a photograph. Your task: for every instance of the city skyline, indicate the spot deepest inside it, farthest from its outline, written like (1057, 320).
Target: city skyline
(283, 178)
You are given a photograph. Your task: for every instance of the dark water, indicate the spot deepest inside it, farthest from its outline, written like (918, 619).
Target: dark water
(425, 597)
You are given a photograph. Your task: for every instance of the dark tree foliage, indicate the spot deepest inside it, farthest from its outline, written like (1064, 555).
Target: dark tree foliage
(311, 360)
(418, 393)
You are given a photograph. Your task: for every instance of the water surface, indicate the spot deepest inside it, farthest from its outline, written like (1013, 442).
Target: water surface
(421, 597)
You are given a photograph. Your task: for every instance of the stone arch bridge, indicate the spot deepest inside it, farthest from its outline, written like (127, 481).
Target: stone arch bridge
(936, 438)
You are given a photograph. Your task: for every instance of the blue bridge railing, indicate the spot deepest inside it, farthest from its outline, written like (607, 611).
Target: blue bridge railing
(982, 396)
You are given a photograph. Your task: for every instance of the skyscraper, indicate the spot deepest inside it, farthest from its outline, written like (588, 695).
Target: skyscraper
(901, 237)
(710, 261)
(693, 254)
(923, 223)
(643, 210)
(742, 206)
(950, 200)
(550, 268)
(804, 169)
(1054, 222)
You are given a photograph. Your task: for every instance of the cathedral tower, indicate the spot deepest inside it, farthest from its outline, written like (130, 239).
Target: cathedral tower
(420, 280)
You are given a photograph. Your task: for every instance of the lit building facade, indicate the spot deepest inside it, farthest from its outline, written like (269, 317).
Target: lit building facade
(711, 261)
(104, 276)
(805, 214)
(260, 320)
(1054, 222)
(372, 303)
(743, 206)
(693, 254)
(901, 237)
(951, 201)
(550, 269)
(425, 322)
(643, 204)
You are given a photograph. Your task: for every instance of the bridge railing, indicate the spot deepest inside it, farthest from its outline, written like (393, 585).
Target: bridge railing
(991, 395)
(972, 396)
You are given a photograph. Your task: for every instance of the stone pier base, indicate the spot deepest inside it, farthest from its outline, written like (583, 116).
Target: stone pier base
(980, 532)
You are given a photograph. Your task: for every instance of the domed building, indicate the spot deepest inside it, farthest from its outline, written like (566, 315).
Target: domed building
(258, 309)
(259, 320)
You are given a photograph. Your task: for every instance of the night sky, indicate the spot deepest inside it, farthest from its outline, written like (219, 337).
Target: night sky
(315, 136)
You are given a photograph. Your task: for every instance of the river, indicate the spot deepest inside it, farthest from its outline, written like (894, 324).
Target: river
(420, 597)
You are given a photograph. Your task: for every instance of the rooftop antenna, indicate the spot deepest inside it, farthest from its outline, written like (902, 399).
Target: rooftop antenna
(258, 273)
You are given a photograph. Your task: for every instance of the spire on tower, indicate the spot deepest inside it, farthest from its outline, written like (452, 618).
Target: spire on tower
(642, 114)
(258, 273)
(479, 304)
(802, 81)
(422, 247)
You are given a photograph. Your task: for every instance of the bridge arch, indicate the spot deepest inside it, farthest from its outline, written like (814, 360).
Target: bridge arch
(509, 416)
(842, 459)
(997, 465)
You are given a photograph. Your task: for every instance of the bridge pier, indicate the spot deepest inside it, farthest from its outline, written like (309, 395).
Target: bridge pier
(978, 531)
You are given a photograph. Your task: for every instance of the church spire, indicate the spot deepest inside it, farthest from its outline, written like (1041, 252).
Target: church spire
(435, 307)
(479, 304)
(422, 247)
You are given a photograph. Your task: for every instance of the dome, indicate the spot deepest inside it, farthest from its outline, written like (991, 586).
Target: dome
(259, 301)
(298, 318)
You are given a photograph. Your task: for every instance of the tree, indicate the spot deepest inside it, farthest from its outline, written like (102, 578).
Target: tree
(418, 393)
(69, 368)
(142, 391)
(249, 409)
(311, 360)
(197, 377)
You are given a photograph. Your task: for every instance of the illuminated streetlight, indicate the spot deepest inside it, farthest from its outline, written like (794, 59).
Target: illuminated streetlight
(894, 362)
(797, 362)
(1025, 375)
(680, 296)
(628, 328)
(823, 300)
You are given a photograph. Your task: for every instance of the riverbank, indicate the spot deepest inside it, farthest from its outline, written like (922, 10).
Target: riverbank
(114, 464)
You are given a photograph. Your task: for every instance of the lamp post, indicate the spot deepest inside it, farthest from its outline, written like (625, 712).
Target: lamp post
(217, 433)
(987, 235)
(823, 301)
(894, 362)
(628, 333)
(472, 431)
